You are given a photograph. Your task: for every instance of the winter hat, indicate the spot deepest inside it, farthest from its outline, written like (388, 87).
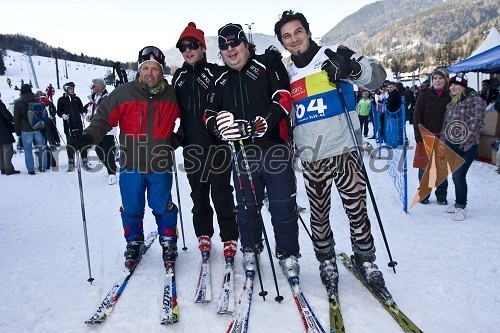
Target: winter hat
(460, 79)
(231, 32)
(99, 83)
(190, 32)
(25, 88)
(444, 74)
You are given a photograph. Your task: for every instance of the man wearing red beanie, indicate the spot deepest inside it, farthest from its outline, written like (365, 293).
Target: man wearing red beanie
(207, 161)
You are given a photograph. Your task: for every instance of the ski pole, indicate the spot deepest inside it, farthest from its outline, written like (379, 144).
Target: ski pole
(263, 292)
(391, 263)
(79, 168)
(278, 298)
(184, 248)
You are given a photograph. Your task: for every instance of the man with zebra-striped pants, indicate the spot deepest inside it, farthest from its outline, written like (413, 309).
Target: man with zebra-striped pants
(324, 142)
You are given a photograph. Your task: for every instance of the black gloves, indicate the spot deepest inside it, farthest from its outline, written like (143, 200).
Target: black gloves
(274, 51)
(78, 141)
(175, 140)
(340, 68)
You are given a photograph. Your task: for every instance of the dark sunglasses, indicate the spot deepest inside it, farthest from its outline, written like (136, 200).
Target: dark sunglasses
(146, 53)
(191, 46)
(233, 44)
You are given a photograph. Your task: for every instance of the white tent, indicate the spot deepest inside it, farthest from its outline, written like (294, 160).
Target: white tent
(491, 41)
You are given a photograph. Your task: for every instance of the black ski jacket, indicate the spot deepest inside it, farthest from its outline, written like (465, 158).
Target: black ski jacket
(191, 85)
(261, 88)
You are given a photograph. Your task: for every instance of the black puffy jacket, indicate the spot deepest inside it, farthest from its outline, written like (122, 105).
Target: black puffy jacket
(260, 88)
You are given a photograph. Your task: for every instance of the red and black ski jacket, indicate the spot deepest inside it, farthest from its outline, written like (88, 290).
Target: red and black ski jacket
(146, 125)
(261, 88)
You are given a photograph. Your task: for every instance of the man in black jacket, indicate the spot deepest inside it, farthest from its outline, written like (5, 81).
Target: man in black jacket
(248, 105)
(70, 109)
(6, 140)
(207, 160)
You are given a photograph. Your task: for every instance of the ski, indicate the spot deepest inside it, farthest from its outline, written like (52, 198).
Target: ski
(109, 302)
(239, 324)
(204, 287)
(406, 324)
(226, 298)
(309, 319)
(336, 321)
(170, 311)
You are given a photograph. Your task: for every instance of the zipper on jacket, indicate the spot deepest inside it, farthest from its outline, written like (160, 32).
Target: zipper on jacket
(193, 87)
(140, 120)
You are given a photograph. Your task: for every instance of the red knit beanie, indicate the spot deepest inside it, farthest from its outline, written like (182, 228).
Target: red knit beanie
(192, 32)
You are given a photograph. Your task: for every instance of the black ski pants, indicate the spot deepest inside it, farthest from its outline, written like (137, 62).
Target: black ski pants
(209, 173)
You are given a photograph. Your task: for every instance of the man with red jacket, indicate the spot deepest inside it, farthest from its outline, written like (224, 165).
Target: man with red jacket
(146, 110)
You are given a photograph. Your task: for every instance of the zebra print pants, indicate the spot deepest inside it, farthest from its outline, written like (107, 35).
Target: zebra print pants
(344, 170)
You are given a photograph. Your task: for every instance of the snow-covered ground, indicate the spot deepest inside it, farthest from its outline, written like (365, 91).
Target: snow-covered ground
(447, 274)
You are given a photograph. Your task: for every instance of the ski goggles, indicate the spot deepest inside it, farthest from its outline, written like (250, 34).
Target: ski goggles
(233, 44)
(146, 53)
(191, 46)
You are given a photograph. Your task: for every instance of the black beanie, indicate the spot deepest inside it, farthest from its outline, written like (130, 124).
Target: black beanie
(231, 31)
(25, 88)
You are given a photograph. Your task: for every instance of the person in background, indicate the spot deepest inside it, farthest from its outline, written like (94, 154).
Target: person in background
(146, 111)
(70, 109)
(410, 104)
(9, 82)
(207, 160)
(50, 92)
(248, 105)
(27, 133)
(50, 131)
(364, 108)
(488, 93)
(106, 149)
(429, 112)
(463, 122)
(335, 160)
(6, 141)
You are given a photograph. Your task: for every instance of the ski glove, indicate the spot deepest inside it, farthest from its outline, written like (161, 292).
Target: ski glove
(243, 129)
(339, 68)
(223, 121)
(274, 51)
(259, 127)
(78, 140)
(65, 116)
(239, 130)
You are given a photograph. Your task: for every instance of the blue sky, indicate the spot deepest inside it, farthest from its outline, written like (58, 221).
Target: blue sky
(117, 30)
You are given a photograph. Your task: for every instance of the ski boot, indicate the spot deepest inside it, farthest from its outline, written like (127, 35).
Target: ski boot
(329, 275)
(290, 266)
(369, 272)
(205, 246)
(71, 166)
(169, 245)
(133, 251)
(230, 249)
(249, 259)
(86, 165)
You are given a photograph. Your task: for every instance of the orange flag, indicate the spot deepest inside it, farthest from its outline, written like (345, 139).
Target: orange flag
(443, 161)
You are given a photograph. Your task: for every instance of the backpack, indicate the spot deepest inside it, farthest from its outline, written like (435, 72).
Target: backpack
(37, 115)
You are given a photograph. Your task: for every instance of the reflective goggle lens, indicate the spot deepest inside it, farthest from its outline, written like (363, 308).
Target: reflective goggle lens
(148, 51)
